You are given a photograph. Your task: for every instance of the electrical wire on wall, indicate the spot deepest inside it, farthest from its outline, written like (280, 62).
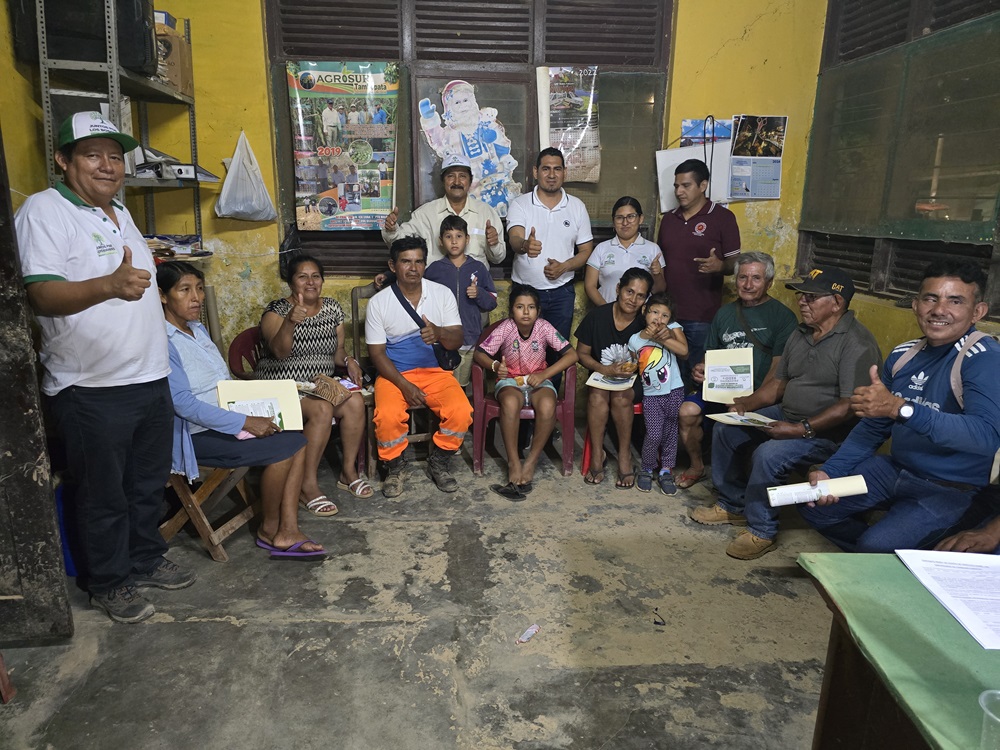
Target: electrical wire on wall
(707, 143)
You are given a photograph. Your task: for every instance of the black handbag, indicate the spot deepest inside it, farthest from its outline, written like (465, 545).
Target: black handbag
(446, 358)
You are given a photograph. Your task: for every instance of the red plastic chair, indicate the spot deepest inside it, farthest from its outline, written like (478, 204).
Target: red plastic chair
(486, 408)
(245, 350)
(587, 448)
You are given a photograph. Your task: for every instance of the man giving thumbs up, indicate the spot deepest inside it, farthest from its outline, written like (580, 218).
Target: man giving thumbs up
(88, 272)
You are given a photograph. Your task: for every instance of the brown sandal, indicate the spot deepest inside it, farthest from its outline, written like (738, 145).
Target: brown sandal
(686, 480)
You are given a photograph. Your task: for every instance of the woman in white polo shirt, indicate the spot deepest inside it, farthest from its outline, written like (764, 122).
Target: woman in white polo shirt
(627, 249)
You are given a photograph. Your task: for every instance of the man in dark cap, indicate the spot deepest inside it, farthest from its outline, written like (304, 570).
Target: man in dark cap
(825, 359)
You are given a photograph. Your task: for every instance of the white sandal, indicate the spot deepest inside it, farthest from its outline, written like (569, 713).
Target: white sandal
(314, 505)
(361, 483)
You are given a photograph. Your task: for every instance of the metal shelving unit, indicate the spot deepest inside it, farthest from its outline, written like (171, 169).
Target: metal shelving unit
(108, 80)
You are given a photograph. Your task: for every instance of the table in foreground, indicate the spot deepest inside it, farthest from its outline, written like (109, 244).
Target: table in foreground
(901, 672)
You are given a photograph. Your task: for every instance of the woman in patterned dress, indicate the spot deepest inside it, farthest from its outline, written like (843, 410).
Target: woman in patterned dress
(304, 337)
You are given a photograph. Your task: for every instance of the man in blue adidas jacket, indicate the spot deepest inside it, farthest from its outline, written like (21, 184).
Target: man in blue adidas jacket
(941, 454)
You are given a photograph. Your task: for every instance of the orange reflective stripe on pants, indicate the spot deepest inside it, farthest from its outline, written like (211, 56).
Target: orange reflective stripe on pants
(445, 398)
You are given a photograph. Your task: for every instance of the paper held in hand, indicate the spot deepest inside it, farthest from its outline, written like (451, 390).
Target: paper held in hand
(609, 384)
(728, 374)
(278, 399)
(747, 419)
(792, 494)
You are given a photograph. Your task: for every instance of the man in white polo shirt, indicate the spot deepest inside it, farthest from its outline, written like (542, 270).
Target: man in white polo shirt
(409, 374)
(88, 271)
(550, 233)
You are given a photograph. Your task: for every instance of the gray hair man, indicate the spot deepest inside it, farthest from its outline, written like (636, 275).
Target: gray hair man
(755, 320)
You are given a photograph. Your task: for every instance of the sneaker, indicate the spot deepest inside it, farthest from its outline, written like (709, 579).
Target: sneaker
(716, 515)
(123, 604)
(166, 575)
(666, 482)
(747, 546)
(392, 483)
(440, 472)
(644, 481)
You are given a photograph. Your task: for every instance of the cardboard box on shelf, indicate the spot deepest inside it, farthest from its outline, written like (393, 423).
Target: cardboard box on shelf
(174, 60)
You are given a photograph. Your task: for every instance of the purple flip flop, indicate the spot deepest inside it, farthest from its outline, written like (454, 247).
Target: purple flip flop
(294, 552)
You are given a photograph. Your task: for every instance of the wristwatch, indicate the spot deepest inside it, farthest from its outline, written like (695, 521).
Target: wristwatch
(810, 433)
(905, 412)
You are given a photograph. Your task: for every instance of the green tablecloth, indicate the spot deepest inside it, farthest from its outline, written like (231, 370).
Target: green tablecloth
(930, 664)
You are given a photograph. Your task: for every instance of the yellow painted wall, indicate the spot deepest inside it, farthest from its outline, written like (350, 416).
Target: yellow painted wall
(763, 58)
(231, 92)
(20, 118)
(755, 58)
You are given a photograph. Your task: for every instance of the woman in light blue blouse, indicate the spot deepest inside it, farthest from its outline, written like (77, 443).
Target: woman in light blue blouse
(209, 435)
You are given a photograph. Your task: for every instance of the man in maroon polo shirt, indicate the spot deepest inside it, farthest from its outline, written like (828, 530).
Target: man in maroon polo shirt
(700, 241)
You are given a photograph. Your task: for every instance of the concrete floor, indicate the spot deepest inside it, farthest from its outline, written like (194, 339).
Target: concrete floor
(404, 637)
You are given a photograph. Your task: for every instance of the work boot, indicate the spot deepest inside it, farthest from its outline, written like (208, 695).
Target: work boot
(392, 482)
(748, 546)
(123, 604)
(440, 472)
(716, 515)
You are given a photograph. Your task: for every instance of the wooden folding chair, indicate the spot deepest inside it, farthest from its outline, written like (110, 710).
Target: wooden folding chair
(217, 484)
(416, 435)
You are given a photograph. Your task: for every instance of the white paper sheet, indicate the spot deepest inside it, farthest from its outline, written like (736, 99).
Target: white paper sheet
(728, 374)
(967, 585)
(609, 384)
(284, 391)
(748, 419)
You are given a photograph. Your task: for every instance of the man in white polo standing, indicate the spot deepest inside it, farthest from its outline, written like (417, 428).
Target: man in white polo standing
(550, 234)
(88, 275)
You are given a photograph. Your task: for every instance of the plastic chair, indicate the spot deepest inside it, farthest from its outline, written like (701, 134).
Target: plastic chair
(359, 294)
(486, 408)
(245, 351)
(587, 448)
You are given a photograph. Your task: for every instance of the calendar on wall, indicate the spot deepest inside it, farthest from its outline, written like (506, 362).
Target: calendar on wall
(755, 159)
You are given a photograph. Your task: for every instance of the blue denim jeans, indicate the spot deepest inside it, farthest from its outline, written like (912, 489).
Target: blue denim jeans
(771, 461)
(921, 512)
(118, 443)
(557, 308)
(696, 332)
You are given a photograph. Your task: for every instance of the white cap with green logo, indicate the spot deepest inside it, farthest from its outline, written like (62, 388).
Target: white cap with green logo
(85, 125)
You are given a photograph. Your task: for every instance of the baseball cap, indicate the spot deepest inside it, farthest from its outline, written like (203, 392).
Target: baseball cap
(825, 280)
(84, 125)
(453, 160)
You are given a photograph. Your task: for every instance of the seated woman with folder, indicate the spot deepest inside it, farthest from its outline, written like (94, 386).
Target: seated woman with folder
(209, 435)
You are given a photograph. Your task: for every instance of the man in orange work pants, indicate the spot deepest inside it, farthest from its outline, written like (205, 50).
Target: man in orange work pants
(403, 352)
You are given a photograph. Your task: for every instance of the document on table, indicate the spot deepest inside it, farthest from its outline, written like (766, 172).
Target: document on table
(728, 374)
(967, 584)
(803, 492)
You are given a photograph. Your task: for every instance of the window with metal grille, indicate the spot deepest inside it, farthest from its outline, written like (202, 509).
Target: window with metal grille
(503, 40)
(857, 28)
(903, 161)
